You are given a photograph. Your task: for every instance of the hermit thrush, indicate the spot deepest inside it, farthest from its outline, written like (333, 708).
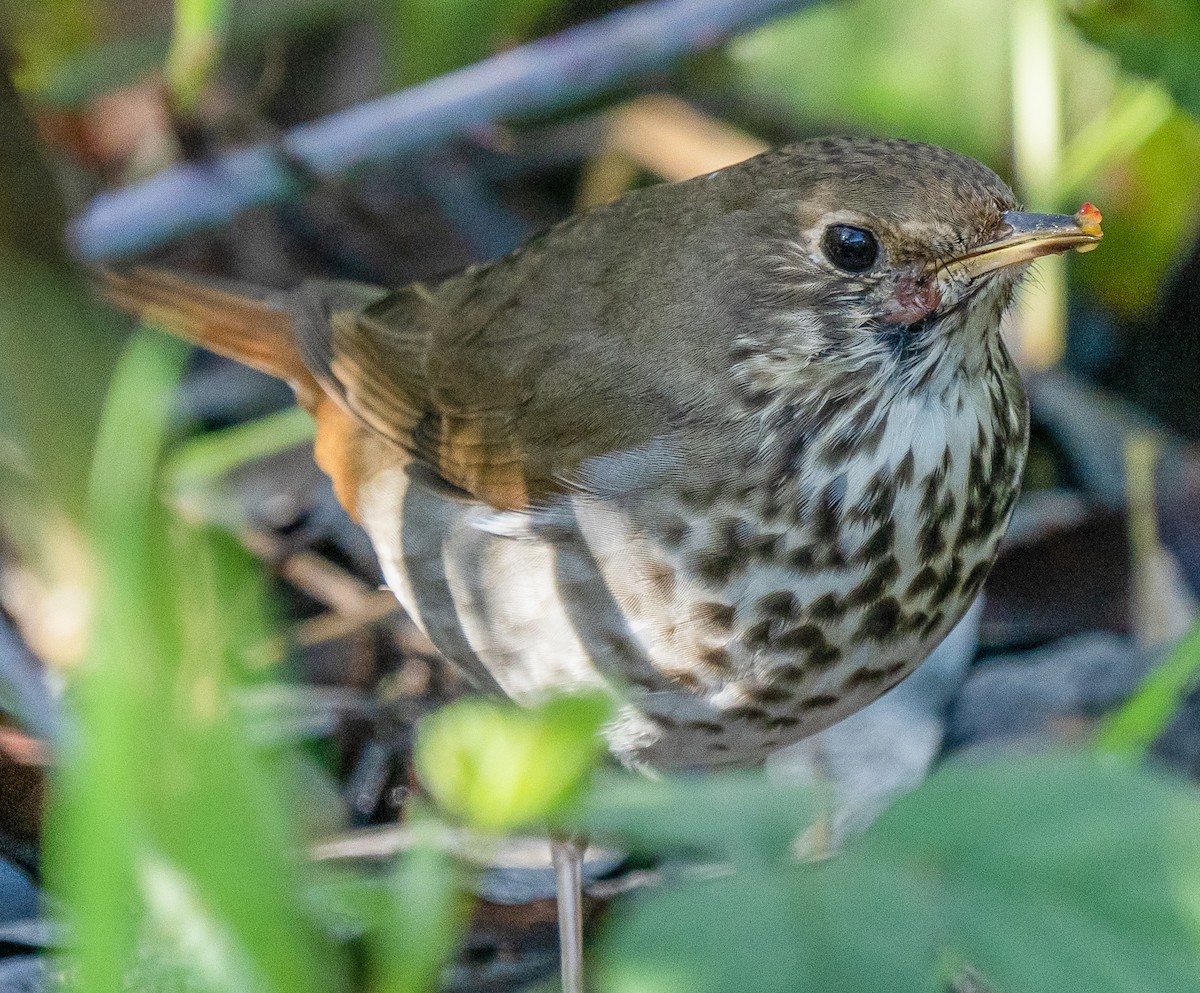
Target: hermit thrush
(738, 450)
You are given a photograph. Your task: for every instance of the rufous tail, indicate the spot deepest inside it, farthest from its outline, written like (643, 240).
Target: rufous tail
(242, 326)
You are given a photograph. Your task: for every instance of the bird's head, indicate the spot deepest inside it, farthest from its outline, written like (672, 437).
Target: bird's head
(887, 252)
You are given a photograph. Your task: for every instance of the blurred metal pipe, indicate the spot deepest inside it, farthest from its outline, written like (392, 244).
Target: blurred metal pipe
(534, 78)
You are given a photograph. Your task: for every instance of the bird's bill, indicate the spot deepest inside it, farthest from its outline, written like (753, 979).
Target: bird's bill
(1025, 237)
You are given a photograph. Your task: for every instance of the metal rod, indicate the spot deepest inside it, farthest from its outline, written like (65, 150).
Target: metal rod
(534, 78)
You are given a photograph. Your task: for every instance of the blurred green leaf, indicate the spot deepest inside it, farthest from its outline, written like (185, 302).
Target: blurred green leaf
(92, 840)
(936, 72)
(1155, 38)
(419, 930)
(1151, 203)
(746, 816)
(1131, 730)
(196, 41)
(497, 767)
(430, 37)
(410, 919)
(1047, 873)
(57, 348)
(47, 34)
(170, 831)
(82, 77)
(216, 453)
(197, 472)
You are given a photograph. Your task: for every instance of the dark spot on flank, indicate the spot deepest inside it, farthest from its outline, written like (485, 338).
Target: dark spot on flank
(903, 474)
(975, 578)
(716, 658)
(880, 621)
(821, 701)
(826, 608)
(765, 546)
(879, 543)
(675, 530)
(742, 352)
(947, 508)
(801, 639)
(803, 560)
(789, 674)
(932, 624)
(869, 440)
(930, 493)
(717, 614)
(949, 581)
(878, 500)
(824, 657)
(923, 582)
(771, 694)
(838, 449)
(932, 539)
(782, 723)
(757, 636)
(754, 398)
(717, 568)
(781, 604)
(864, 678)
(876, 582)
(828, 512)
(729, 532)
(835, 557)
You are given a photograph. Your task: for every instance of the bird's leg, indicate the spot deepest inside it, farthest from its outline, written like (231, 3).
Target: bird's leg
(567, 854)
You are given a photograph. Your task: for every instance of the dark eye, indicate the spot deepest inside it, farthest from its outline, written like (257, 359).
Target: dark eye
(850, 248)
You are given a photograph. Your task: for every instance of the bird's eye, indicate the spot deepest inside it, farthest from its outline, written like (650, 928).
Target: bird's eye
(850, 248)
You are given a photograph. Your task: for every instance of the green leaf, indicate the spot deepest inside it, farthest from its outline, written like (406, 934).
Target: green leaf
(889, 68)
(1043, 874)
(424, 917)
(410, 920)
(198, 469)
(57, 347)
(47, 34)
(746, 816)
(1155, 38)
(196, 41)
(1132, 729)
(1150, 200)
(170, 834)
(496, 766)
(434, 36)
(93, 830)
